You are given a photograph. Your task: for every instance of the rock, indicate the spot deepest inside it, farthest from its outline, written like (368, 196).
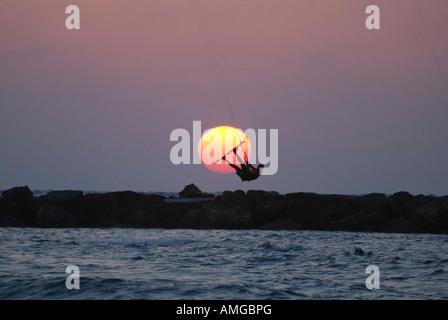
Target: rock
(58, 197)
(191, 188)
(433, 217)
(370, 220)
(316, 212)
(233, 208)
(173, 214)
(12, 210)
(281, 224)
(401, 204)
(269, 208)
(151, 216)
(151, 199)
(19, 195)
(254, 197)
(2, 206)
(370, 201)
(97, 206)
(232, 197)
(126, 198)
(219, 217)
(11, 221)
(266, 206)
(191, 191)
(401, 212)
(401, 225)
(359, 252)
(20, 203)
(54, 217)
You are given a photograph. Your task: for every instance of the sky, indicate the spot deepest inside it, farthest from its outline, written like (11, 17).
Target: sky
(357, 110)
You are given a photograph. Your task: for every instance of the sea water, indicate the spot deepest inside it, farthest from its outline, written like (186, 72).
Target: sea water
(120, 263)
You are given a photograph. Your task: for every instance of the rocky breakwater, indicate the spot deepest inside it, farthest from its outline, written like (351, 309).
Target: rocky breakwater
(254, 209)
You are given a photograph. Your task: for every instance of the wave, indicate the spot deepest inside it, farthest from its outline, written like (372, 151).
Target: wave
(281, 247)
(195, 264)
(152, 242)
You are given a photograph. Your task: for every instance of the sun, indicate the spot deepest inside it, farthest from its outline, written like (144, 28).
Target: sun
(218, 141)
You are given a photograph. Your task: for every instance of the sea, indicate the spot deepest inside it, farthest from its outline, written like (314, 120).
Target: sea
(186, 264)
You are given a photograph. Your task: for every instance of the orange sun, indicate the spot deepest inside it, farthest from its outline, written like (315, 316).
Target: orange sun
(218, 141)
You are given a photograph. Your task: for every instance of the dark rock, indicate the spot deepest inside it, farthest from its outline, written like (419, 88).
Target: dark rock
(371, 220)
(124, 207)
(94, 207)
(2, 207)
(401, 212)
(281, 224)
(265, 205)
(402, 204)
(54, 217)
(300, 196)
(150, 216)
(58, 197)
(254, 197)
(433, 217)
(18, 195)
(401, 225)
(107, 224)
(191, 191)
(151, 199)
(173, 214)
(377, 201)
(219, 217)
(269, 208)
(358, 252)
(13, 210)
(191, 188)
(316, 212)
(20, 203)
(126, 198)
(232, 197)
(11, 221)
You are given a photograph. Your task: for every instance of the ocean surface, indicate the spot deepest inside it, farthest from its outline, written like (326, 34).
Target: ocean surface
(220, 264)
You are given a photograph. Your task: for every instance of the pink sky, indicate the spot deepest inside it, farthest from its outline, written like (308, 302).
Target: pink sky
(357, 111)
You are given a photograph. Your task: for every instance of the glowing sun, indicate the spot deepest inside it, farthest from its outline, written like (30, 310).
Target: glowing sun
(217, 142)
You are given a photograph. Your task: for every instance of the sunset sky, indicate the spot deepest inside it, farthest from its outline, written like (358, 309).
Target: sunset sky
(357, 110)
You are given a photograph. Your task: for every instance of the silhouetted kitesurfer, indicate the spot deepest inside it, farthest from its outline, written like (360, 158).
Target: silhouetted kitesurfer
(246, 172)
